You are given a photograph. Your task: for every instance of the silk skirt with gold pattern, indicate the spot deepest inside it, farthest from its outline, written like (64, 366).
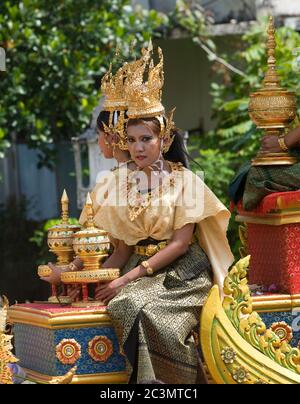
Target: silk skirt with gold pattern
(154, 318)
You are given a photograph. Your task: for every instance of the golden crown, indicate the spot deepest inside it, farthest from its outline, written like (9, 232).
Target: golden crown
(112, 87)
(144, 98)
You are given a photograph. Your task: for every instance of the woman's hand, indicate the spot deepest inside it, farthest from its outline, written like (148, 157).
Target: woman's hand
(107, 291)
(74, 292)
(54, 278)
(270, 144)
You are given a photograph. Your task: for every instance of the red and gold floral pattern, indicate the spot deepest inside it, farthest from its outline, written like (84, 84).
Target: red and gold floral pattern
(68, 351)
(283, 331)
(274, 254)
(100, 348)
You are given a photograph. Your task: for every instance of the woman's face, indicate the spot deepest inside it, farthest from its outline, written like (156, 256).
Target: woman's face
(106, 149)
(143, 144)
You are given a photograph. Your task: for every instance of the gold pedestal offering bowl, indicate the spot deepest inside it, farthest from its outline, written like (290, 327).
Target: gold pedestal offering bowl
(60, 242)
(60, 237)
(272, 108)
(91, 245)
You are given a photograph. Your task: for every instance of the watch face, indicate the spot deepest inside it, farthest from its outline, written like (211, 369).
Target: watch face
(149, 271)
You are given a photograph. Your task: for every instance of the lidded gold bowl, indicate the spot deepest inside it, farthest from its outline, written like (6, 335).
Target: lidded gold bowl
(91, 244)
(272, 108)
(60, 236)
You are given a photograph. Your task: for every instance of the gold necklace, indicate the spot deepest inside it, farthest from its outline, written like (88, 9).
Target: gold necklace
(137, 202)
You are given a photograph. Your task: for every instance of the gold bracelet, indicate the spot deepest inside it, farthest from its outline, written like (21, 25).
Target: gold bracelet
(282, 144)
(146, 265)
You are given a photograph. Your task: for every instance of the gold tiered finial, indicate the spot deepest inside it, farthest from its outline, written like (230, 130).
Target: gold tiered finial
(272, 108)
(90, 213)
(271, 77)
(65, 208)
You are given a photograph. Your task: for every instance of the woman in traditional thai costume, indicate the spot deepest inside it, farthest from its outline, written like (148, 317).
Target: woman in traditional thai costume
(172, 242)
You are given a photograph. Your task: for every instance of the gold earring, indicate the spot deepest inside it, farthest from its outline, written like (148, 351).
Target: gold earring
(106, 141)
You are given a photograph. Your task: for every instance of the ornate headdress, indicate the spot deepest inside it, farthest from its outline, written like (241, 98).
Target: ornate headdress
(144, 98)
(112, 87)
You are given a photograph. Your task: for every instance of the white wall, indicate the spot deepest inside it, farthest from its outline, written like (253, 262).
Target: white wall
(222, 10)
(279, 7)
(42, 188)
(225, 10)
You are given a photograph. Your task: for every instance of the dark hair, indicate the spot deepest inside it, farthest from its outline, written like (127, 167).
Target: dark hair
(177, 152)
(103, 117)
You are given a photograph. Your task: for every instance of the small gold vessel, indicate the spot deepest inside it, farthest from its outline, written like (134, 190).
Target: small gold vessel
(272, 108)
(60, 242)
(91, 245)
(60, 237)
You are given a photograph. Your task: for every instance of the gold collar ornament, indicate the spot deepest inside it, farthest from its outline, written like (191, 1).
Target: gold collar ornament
(138, 202)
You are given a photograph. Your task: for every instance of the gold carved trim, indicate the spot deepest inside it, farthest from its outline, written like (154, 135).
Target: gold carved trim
(93, 276)
(238, 306)
(98, 378)
(272, 219)
(243, 235)
(44, 270)
(44, 319)
(276, 303)
(217, 334)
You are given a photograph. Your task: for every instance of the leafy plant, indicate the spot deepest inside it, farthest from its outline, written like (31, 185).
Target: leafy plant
(235, 131)
(56, 54)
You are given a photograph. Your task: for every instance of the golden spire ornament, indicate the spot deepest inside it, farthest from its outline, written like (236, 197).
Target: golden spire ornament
(144, 98)
(60, 243)
(60, 237)
(112, 87)
(64, 208)
(273, 108)
(92, 246)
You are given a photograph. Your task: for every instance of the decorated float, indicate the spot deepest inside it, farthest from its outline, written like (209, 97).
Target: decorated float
(245, 338)
(254, 338)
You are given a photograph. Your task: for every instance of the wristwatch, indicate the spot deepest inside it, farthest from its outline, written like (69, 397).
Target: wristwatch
(146, 265)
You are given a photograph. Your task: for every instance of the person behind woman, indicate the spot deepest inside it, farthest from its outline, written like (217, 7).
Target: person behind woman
(110, 123)
(171, 236)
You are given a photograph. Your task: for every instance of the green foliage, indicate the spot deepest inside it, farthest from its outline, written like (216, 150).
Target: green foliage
(235, 131)
(190, 18)
(57, 52)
